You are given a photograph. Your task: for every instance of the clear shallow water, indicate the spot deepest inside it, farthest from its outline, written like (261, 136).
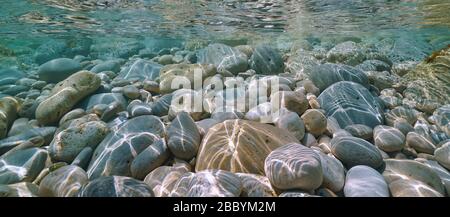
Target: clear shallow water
(26, 24)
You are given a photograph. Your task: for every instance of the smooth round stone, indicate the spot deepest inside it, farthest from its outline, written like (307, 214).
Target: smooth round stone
(111, 111)
(419, 143)
(22, 165)
(442, 115)
(255, 186)
(149, 159)
(65, 95)
(388, 138)
(315, 121)
(110, 65)
(183, 137)
(58, 69)
(360, 130)
(333, 172)
(163, 179)
(363, 181)
(442, 155)
(165, 59)
(412, 188)
(292, 100)
(261, 113)
(352, 151)
(114, 155)
(67, 144)
(11, 142)
(240, 146)
(74, 114)
(63, 182)
(294, 166)
(309, 140)
(161, 106)
(412, 170)
(346, 52)
(351, 103)
(116, 186)
(131, 92)
(266, 60)
(327, 74)
(8, 112)
(207, 183)
(441, 171)
(21, 189)
(139, 108)
(403, 125)
(293, 123)
(224, 58)
(140, 69)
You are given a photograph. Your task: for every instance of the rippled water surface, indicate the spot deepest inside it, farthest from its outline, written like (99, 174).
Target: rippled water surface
(26, 24)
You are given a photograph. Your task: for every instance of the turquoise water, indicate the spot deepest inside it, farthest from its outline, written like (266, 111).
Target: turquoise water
(27, 24)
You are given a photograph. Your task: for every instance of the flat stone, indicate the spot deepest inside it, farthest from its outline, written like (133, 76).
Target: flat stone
(240, 146)
(294, 166)
(363, 181)
(116, 186)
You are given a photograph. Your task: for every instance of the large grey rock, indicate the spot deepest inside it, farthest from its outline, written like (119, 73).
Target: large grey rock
(65, 95)
(207, 183)
(363, 181)
(327, 74)
(22, 166)
(224, 58)
(294, 166)
(183, 137)
(266, 60)
(352, 151)
(114, 155)
(351, 103)
(63, 182)
(116, 186)
(58, 69)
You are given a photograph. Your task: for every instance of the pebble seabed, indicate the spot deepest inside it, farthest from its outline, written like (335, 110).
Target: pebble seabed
(353, 122)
